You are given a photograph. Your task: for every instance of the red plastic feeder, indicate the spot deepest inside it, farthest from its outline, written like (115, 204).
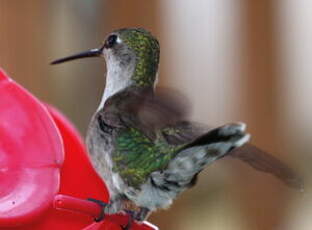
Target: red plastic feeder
(45, 172)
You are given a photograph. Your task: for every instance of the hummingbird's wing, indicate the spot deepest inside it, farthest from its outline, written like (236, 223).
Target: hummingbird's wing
(264, 162)
(258, 159)
(157, 129)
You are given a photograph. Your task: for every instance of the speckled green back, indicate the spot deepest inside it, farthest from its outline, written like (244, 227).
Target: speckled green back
(136, 156)
(146, 47)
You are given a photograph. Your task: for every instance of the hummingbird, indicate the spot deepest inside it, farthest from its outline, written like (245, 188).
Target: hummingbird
(141, 143)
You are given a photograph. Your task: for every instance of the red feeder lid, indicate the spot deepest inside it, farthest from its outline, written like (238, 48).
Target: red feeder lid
(31, 155)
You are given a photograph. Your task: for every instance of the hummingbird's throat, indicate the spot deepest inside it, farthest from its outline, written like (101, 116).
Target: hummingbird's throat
(111, 89)
(120, 77)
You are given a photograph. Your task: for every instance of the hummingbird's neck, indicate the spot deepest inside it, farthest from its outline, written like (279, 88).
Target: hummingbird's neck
(112, 88)
(117, 79)
(123, 75)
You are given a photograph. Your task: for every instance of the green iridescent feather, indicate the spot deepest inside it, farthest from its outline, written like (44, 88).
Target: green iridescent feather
(146, 48)
(136, 156)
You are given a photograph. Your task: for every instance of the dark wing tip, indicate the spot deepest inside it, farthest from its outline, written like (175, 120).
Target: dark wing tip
(264, 162)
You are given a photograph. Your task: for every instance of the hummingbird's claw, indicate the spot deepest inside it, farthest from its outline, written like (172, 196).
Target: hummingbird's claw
(130, 220)
(103, 205)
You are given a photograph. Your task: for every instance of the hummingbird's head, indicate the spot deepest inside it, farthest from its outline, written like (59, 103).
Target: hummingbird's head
(131, 54)
(136, 50)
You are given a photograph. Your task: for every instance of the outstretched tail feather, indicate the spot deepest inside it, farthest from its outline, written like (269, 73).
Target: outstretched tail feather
(210, 137)
(264, 162)
(223, 134)
(192, 158)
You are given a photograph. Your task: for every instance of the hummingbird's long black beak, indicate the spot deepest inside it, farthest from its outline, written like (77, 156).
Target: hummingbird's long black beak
(90, 53)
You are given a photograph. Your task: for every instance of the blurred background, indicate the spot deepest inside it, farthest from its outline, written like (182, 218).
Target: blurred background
(236, 60)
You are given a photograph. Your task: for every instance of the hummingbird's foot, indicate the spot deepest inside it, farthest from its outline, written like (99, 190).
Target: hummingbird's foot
(130, 220)
(103, 205)
(142, 214)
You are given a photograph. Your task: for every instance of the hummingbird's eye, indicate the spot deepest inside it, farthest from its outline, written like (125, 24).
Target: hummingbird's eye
(111, 41)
